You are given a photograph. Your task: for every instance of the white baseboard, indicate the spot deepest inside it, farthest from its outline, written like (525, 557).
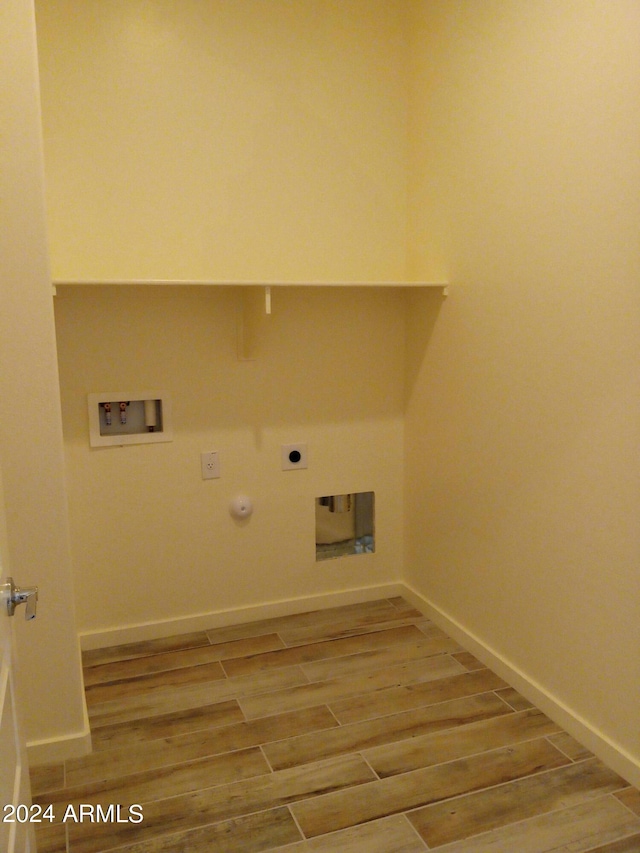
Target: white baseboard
(611, 753)
(233, 616)
(57, 749)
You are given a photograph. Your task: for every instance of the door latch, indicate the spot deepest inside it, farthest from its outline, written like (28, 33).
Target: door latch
(16, 595)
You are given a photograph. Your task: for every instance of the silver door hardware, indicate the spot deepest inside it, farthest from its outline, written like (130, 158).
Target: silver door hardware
(16, 595)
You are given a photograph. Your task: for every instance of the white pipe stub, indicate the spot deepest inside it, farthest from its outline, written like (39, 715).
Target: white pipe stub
(241, 507)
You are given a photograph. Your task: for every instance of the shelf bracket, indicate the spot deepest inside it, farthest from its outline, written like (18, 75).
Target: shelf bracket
(255, 308)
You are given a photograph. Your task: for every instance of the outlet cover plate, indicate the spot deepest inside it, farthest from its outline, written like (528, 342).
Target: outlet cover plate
(294, 456)
(210, 465)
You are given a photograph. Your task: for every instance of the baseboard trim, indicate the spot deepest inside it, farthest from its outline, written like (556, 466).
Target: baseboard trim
(221, 618)
(614, 755)
(56, 749)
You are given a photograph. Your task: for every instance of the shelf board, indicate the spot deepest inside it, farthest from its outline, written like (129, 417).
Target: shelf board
(231, 283)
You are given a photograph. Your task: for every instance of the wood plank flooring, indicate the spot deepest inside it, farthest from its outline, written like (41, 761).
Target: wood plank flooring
(360, 729)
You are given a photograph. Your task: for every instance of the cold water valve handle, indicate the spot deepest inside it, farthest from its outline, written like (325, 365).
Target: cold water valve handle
(16, 595)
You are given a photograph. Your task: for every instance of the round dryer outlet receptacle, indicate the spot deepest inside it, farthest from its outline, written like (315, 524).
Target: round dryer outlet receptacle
(294, 456)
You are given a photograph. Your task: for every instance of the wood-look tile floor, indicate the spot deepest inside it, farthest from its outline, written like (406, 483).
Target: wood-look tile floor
(361, 729)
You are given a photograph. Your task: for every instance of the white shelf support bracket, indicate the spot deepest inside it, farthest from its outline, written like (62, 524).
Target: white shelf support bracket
(255, 307)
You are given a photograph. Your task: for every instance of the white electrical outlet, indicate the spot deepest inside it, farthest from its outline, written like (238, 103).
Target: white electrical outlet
(210, 464)
(293, 456)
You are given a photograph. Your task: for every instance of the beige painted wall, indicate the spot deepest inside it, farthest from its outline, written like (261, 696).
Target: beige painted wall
(227, 141)
(224, 140)
(31, 448)
(522, 499)
(152, 541)
(520, 471)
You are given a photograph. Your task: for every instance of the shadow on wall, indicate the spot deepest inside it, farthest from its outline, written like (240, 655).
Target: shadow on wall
(422, 311)
(326, 356)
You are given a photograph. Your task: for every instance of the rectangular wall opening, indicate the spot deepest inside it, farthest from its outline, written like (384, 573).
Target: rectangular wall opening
(345, 525)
